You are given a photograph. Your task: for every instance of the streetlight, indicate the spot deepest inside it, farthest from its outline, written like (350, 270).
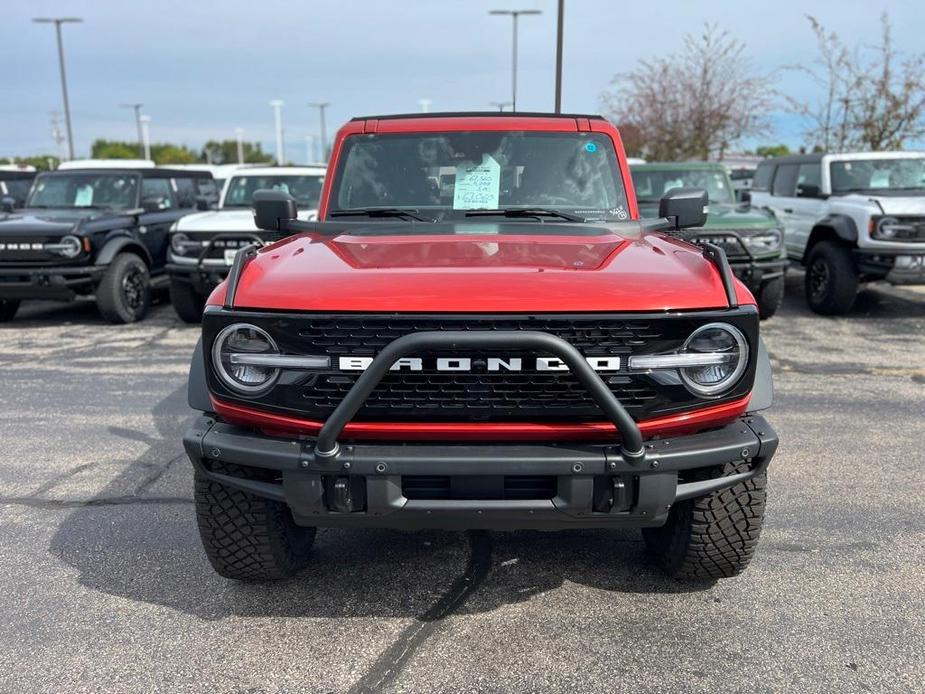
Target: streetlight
(501, 104)
(514, 14)
(145, 122)
(58, 21)
(425, 105)
(310, 149)
(137, 108)
(277, 105)
(321, 105)
(239, 134)
(559, 26)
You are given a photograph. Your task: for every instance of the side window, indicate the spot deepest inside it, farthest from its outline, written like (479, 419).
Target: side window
(785, 180)
(762, 180)
(809, 180)
(186, 192)
(157, 188)
(207, 188)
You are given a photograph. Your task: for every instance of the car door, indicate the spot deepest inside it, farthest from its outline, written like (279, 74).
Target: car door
(783, 195)
(160, 212)
(807, 205)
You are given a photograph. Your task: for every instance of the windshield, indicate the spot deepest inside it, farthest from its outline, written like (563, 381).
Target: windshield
(878, 174)
(651, 184)
(109, 190)
(18, 188)
(445, 175)
(305, 189)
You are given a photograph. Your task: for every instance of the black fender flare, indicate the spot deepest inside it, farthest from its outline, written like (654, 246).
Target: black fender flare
(197, 390)
(763, 389)
(842, 225)
(118, 243)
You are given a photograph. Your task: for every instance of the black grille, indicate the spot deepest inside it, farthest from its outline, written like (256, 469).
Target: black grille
(469, 487)
(730, 243)
(477, 394)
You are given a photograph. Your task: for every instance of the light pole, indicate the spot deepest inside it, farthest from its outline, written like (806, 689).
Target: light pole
(137, 109)
(514, 14)
(321, 105)
(559, 26)
(425, 105)
(501, 104)
(239, 134)
(58, 21)
(278, 116)
(309, 149)
(145, 122)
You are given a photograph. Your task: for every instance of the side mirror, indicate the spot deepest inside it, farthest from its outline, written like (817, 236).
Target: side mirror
(274, 209)
(7, 203)
(202, 203)
(808, 190)
(155, 204)
(745, 196)
(684, 207)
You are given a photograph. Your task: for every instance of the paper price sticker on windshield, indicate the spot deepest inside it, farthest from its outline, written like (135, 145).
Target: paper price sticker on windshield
(477, 185)
(84, 196)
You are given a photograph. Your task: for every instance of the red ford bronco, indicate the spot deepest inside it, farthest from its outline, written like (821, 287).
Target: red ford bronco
(480, 333)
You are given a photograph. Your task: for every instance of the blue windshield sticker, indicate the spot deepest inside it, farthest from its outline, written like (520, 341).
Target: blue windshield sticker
(590, 147)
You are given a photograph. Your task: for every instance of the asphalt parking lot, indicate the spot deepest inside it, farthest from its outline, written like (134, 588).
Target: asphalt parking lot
(104, 587)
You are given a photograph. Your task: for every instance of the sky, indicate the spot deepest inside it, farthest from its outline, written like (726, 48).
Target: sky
(203, 69)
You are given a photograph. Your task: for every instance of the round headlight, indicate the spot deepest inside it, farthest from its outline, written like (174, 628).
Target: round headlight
(178, 243)
(717, 339)
(230, 353)
(69, 246)
(763, 242)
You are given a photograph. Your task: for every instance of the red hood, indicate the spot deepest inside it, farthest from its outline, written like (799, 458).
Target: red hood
(482, 272)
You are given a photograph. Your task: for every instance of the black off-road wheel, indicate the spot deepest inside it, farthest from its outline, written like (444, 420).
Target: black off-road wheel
(247, 537)
(713, 536)
(187, 302)
(124, 293)
(831, 278)
(8, 309)
(769, 297)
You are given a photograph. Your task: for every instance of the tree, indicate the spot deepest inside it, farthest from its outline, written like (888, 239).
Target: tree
(226, 152)
(871, 99)
(161, 153)
(772, 151)
(693, 104)
(173, 154)
(111, 149)
(46, 162)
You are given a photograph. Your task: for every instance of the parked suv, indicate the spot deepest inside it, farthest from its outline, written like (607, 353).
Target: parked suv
(849, 218)
(751, 237)
(99, 231)
(203, 245)
(480, 333)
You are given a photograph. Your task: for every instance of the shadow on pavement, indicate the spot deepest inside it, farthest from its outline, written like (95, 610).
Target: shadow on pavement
(149, 551)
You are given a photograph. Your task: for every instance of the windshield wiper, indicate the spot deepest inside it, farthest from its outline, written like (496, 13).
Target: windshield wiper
(526, 212)
(399, 212)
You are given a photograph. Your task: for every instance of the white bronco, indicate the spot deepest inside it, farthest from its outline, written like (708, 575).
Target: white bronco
(203, 244)
(848, 218)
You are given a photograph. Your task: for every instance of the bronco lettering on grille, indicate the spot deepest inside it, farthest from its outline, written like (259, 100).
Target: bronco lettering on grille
(469, 364)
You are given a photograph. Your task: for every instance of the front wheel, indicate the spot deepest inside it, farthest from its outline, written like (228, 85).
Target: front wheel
(247, 537)
(713, 536)
(124, 293)
(187, 302)
(831, 278)
(8, 309)
(769, 297)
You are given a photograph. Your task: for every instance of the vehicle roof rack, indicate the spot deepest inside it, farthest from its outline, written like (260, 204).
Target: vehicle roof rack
(717, 256)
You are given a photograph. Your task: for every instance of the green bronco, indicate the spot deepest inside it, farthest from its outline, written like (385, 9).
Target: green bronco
(752, 237)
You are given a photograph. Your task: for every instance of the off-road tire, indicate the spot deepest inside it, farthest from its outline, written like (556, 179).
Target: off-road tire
(8, 309)
(187, 302)
(769, 297)
(713, 536)
(831, 278)
(247, 537)
(124, 293)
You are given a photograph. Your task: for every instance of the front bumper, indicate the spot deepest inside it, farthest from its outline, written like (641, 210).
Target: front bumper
(896, 267)
(203, 277)
(374, 485)
(62, 283)
(755, 273)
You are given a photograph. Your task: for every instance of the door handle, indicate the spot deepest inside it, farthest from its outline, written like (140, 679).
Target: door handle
(788, 210)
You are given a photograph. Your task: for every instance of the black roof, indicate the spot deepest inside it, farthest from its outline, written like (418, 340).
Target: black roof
(11, 175)
(480, 114)
(813, 158)
(146, 172)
